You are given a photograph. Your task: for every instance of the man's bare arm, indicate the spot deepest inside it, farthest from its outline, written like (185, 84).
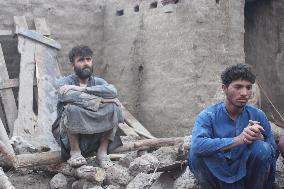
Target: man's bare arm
(251, 133)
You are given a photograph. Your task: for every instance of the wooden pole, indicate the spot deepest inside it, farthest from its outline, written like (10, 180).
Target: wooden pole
(4, 181)
(149, 143)
(54, 157)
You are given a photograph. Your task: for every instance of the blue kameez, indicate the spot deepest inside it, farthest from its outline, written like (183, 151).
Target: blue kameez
(245, 166)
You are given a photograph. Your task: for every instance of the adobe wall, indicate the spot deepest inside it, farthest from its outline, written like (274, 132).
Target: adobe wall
(167, 66)
(70, 22)
(264, 48)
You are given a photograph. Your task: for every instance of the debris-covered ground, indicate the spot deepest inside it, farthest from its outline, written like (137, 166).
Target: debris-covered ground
(159, 168)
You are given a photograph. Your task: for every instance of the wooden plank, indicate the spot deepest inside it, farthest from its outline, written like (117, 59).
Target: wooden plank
(24, 124)
(2, 117)
(4, 180)
(20, 21)
(5, 140)
(8, 99)
(36, 36)
(11, 83)
(129, 131)
(47, 71)
(41, 26)
(132, 122)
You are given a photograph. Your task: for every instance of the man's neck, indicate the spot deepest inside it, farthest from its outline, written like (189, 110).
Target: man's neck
(233, 110)
(83, 81)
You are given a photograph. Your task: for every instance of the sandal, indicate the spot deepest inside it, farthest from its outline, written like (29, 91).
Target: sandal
(104, 162)
(76, 160)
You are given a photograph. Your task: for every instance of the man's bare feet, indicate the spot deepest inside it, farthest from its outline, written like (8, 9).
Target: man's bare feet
(104, 162)
(76, 159)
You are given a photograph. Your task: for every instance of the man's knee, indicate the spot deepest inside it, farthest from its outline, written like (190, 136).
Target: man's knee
(261, 150)
(202, 173)
(197, 165)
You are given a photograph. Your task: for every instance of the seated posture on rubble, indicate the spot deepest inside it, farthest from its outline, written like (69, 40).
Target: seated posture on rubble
(88, 112)
(232, 142)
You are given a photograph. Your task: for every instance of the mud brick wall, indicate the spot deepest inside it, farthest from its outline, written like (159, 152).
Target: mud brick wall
(166, 66)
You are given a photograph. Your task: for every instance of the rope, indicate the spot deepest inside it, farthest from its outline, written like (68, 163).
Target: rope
(265, 94)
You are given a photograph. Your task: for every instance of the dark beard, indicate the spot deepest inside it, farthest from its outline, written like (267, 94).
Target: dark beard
(83, 73)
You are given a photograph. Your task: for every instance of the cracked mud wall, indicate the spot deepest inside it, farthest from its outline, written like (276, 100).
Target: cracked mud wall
(70, 22)
(264, 49)
(167, 66)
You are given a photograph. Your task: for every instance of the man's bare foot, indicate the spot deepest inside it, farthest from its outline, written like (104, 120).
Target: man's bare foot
(76, 159)
(104, 162)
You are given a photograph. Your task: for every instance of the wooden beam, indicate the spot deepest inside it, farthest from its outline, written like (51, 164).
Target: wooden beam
(5, 145)
(36, 36)
(8, 99)
(47, 72)
(20, 21)
(24, 124)
(4, 181)
(148, 144)
(134, 123)
(42, 27)
(39, 159)
(11, 83)
(129, 131)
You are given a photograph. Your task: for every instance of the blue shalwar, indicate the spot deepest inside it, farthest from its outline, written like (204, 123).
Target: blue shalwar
(247, 166)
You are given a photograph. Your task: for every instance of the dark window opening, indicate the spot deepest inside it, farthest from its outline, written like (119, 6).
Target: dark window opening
(136, 8)
(154, 5)
(120, 12)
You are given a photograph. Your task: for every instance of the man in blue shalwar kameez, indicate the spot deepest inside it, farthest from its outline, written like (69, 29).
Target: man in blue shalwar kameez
(232, 143)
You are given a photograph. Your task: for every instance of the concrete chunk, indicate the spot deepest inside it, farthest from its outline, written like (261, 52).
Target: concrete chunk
(59, 181)
(144, 164)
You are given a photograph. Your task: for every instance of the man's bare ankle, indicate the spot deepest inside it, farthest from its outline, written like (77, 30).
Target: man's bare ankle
(75, 152)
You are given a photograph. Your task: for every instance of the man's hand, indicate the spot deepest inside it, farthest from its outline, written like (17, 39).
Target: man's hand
(112, 100)
(64, 89)
(252, 132)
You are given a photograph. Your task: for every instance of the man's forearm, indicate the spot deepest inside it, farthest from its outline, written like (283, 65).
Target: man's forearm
(104, 91)
(237, 141)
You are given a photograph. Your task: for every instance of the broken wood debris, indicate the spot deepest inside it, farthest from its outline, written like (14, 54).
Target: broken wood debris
(7, 95)
(4, 181)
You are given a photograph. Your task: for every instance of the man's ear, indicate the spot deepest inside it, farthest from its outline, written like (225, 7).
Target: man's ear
(224, 87)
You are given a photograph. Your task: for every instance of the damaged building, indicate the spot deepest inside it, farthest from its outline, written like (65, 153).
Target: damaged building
(165, 62)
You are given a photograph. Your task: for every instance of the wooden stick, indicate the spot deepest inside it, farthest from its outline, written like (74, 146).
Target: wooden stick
(10, 155)
(129, 131)
(132, 122)
(149, 143)
(7, 95)
(5, 145)
(4, 181)
(24, 124)
(39, 159)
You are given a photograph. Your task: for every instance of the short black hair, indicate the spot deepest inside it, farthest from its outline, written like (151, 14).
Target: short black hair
(238, 71)
(80, 50)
